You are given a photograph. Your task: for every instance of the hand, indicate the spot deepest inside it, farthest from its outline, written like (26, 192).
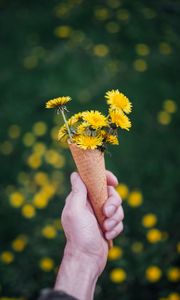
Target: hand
(86, 250)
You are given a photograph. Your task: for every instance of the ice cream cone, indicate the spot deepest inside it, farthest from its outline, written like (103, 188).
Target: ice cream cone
(91, 167)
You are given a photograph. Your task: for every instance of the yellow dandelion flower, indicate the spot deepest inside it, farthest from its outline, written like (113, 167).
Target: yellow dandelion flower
(82, 128)
(118, 100)
(149, 220)
(88, 142)
(7, 257)
(135, 198)
(173, 274)
(57, 102)
(63, 133)
(154, 235)
(95, 119)
(46, 264)
(74, 119)
(153, 273)
(123, 190)
(118, 275)
(19, 243)
(173, 296)
(28, 211)
(49, 232)
(119, 119)
(114, 253)
(16, 199)
(112, 139)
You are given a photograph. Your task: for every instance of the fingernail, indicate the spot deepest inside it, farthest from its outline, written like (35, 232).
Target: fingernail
(110, 209)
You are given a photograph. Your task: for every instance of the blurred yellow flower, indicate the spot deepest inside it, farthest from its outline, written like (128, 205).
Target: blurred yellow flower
(41, 178)
(170, 106)
(40, 200)
(16, 199)
(153, 273)
(165, 48)
(63, 31)
(34, 161)
(49, 232)
(58, 102)
(135, 198)
(118, 100)
(49, 190)
(173, 296)
(173, 274)
(95, 119)
(118, 275)
(88, 142)
(119, 119)
(46, 264)
(112, 27)
(101, 50)
(114, 253)
(102, 14)
(54, 158)
(28, 211)
(140, 65)
(19, 243)
(112, 139)
(39, 148)
(164, 118)
(6, 148)
(142, 49)
(137, 247)
(28, 139)
(154, 235)
(40, 128)
(123, 14)
(14, 131)
(123, 190)
(149, 220)
(7, 257)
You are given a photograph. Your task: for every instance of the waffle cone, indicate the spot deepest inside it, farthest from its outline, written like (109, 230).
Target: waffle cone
(91, 167)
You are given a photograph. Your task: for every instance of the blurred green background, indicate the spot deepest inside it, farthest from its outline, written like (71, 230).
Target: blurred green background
(82, 49)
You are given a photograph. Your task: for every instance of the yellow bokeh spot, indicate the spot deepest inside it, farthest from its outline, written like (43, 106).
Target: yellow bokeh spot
(19, 243)
(40, 200)
(137, 247)
(135, 198)
(14, 131)
(41, 178)
(101, 50)
(153, 273)
(6, 148)
(164, 118)
(149, 220)
(123, 190)
(16, 199)
(30, 62)
(118, 275)
(7, 257)
(123, 15)
(49, 232)
(112, 27)
(102, 14)
(165, 48)
(114, 253)
(54, 133)
(170, 106)
(28, 139)
(28, 211)
(173, 296)
(63, 31)
(46, 264)
(39, 128)
(114, 3)
(140, 65)
(34, 161)
(142, 49)
(39, 148)
(173, 274)
(154, 235)
(54, 158)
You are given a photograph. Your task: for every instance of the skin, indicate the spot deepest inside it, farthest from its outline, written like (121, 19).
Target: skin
(86, 250)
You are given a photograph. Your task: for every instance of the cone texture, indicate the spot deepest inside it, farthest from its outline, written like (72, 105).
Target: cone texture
(91, 167)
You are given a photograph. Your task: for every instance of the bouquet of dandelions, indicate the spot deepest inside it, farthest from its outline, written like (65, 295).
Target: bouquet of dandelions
(88, 133)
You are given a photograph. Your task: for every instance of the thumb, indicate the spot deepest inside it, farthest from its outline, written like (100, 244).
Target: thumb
(78, 188)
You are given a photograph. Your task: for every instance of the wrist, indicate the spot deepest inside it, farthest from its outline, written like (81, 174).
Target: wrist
(77, 275)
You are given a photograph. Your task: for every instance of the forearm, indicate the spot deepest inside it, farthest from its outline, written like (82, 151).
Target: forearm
(77, 276)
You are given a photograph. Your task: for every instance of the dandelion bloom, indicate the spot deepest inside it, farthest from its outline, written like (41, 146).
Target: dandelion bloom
(58, 102)
(119, 119)
(88, 142)
(112, 139)
(63, 134)
(118, 100)
(95, 119)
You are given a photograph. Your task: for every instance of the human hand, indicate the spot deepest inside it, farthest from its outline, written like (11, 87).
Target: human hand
(83, 234)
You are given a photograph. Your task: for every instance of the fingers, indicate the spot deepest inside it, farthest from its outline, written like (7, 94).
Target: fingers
(111, 179)
(78, 194)
(110, 235)
(112, 203)
(117, 217)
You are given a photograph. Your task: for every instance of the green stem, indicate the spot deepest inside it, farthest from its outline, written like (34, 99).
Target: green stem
(66, 123)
